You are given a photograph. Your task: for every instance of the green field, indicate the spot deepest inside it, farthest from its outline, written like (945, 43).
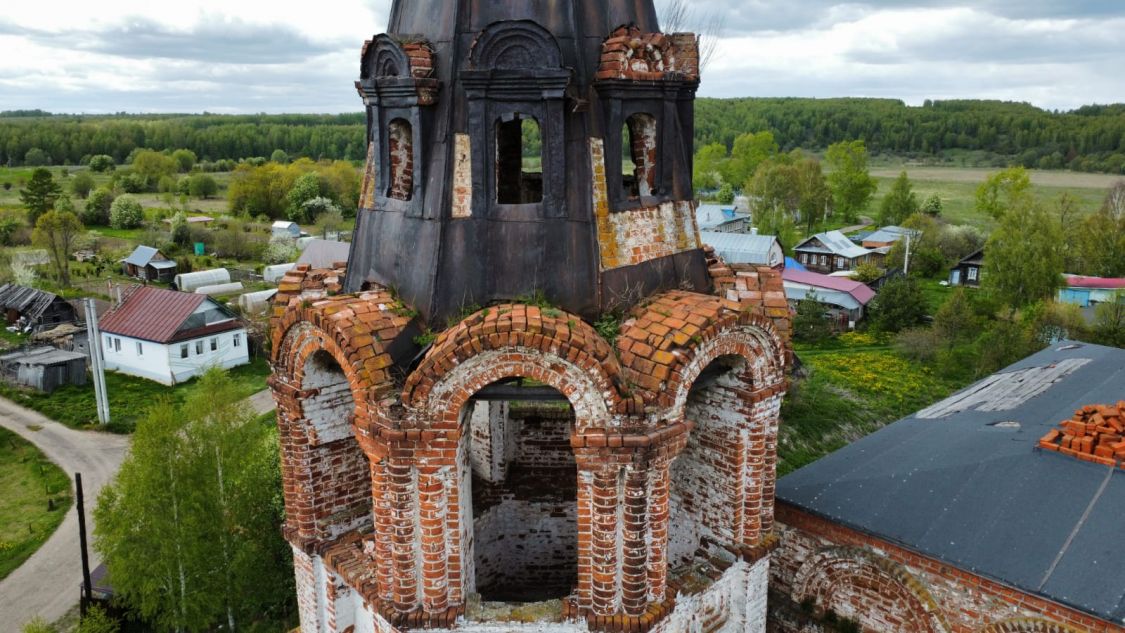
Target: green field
(957, 187)
(855, 384)
(28, 483)
(128, 397)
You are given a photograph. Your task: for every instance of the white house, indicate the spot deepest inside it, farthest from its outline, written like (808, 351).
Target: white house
(171, 337)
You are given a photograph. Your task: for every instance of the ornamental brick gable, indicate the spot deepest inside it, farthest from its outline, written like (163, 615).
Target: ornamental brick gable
(530, 400)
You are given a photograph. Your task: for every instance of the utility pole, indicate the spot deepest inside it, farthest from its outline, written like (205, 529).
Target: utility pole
(907, 265)
(87, 588)
(97, 361)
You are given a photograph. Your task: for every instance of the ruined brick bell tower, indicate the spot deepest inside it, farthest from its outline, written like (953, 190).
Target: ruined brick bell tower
(530, 400)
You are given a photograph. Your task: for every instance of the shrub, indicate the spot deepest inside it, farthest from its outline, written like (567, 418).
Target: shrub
(132, 183)
(102, 163)
(867, 272)
(202, 186)
(898, 306)
(126, 213)
(82, 184)
(97, 208)
(98, 621)
(811, 324)
(36, 157)
(919, 344)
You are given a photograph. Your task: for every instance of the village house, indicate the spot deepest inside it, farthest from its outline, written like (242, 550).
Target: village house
(34, 310)
(195, 220)
(968, 271)
(715, 218)
(885, 237)
(170, 336)
(831, 252)
(743, 248)
(148, 264)
(845, 299)
(961, 518)
(1086, 291)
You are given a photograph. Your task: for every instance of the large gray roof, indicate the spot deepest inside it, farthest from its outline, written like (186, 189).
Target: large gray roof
(956, 484)
(742, 248)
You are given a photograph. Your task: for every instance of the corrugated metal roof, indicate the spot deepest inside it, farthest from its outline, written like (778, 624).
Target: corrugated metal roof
(141, 256)
(888, 234)
(740, 248)
(965, 490)
(151, 314)
(859, 291)
(837, 243)
(30, 303)
(709, 216)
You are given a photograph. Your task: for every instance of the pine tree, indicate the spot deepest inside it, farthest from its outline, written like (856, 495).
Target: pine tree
(901, 202)
(40, 194)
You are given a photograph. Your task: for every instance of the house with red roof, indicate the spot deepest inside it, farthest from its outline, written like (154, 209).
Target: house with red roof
(1084, 291)
(846, 298)
(171, 337)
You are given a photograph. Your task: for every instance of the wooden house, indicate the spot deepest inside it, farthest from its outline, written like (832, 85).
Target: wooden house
(968, 271)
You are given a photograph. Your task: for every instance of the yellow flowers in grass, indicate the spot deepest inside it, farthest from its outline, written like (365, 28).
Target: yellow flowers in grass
(881, 376)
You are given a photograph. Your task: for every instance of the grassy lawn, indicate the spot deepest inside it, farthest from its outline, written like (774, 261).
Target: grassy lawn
(28, 483)
(129, 397)
(855, 385)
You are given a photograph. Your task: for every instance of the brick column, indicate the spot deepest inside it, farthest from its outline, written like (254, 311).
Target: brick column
(402, 486)
(769, 479)
(634, 532)
(384, 529)
(431, 521)
(659, 487)
(754, 475)
(605, 522)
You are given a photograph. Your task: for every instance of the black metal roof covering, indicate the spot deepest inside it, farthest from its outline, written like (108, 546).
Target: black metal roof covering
(972, 489)
(502, 252)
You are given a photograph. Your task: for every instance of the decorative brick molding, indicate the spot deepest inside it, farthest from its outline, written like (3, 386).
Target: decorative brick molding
(818, 557)
(631, 54)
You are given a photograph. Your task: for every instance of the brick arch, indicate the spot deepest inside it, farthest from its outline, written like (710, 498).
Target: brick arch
(887, 589)
(325, 472)
(548, 345)
(459, 385)
(1028, 625)
(670, 340)
(354, 330)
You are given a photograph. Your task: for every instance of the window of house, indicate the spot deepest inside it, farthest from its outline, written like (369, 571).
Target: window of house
(972, 274)
(214, 345)
(109, 343)
(238, 340)
(117, 345)
(519, 160)
(823, 260)
(400, 157)
(183, 351)
(840, 263)
(198, 348)
(140, 349)
(638, 156)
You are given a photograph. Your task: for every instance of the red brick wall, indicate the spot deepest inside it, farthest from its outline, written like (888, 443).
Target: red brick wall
(888, 588)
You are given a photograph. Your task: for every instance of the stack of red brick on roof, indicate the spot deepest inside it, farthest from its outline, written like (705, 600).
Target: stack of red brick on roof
(759, 289)
(1096, 434)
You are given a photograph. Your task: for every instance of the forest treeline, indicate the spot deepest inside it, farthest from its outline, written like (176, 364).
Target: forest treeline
(1001, 134)
(74, 139)
(992, 133)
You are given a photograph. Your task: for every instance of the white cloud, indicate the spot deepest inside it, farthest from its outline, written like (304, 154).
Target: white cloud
(287, 56)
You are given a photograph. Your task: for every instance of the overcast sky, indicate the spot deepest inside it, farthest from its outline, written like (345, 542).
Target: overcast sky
(301, 56)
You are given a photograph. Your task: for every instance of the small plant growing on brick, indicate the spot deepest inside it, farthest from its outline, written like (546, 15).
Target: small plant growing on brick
(425, 339)
(608, 326)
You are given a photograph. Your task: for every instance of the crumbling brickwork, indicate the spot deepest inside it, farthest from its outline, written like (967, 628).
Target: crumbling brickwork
(822, 566)
(521, 465)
